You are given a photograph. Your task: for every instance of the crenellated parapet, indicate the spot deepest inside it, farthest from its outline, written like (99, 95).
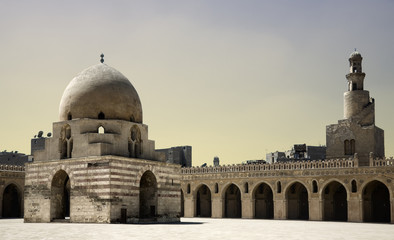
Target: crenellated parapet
(12, 168)
(317, 164)
(382, 162)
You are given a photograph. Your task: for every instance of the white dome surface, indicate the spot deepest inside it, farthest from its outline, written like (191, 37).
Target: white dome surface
(100, 92)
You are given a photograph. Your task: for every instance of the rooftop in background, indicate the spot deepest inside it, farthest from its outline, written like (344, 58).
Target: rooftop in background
(14, 158)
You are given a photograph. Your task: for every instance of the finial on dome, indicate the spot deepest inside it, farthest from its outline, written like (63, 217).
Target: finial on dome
(102, 58)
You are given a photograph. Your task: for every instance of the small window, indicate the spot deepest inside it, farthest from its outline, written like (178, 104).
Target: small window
(69, 116)
(354, 186)
(278, 187)
(216, 188)
(246, 188)
(188, 188)
(101, 115)
(315, 189)
(101, 130)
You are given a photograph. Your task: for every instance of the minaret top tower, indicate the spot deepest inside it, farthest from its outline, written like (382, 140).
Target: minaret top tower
(356, 76)
(357, 103)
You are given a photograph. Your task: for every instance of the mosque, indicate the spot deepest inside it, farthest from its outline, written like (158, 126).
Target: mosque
(100, 167)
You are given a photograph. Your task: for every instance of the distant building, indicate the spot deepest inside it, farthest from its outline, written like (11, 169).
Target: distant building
(181, 155)
(14, 158)
(298, 152)
(274, 156)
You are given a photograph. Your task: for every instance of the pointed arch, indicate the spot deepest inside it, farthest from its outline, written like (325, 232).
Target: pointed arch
(314, 186)
(263, 201)
(232, 201)
(60, 195)
(101, 130)
(297, 201)
(135, 142)
(203, 201)
(101, 115)
(12, 201)
(335, 206)
(376, 202)
(148, 195)
(66, 142)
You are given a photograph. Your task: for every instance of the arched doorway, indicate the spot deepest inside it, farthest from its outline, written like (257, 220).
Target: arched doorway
(232, 202)
(60, 196)
(182, 204)
(263, 202)
(148, 195)
(297, 202)
(203, 202)
(334, 197)
(376, 202)
(11, 202)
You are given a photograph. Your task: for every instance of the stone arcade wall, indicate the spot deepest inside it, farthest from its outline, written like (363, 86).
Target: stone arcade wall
(280, 176)
(12, 175)
(100, 187)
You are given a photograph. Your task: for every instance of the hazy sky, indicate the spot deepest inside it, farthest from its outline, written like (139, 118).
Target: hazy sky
(234, 79)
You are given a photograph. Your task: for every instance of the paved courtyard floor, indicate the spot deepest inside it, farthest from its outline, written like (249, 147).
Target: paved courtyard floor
(199, 228)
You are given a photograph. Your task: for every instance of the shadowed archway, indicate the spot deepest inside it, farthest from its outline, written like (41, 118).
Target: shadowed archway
(232, 202)
(376, 202)
(334, 197)
(60, 196)
(11, 202)
(203, 202)
(263, 202)
(148, 195)
(297, 202)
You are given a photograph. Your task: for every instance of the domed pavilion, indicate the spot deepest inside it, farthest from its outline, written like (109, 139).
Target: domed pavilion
(99, 166)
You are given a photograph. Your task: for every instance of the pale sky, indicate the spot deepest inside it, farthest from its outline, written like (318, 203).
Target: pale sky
(233, 79)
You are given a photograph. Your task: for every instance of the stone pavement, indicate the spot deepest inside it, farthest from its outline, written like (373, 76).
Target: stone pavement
(199, 228)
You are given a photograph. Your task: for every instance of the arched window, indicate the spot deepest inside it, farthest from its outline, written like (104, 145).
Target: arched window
(101, 130)
(188, 188)
(246, 187)
(66, 142)
(135, 142)
(354, 186)
(352, 147)
(347, 147)
(69, 116)
(101, 115)
(216, 188)
(314, 185)
(278, 187)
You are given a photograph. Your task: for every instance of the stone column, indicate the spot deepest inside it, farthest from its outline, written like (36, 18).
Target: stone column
(354, 208)
(279, 207)
(189, 206)
(217, 207)
(315, 208)
(247, 207)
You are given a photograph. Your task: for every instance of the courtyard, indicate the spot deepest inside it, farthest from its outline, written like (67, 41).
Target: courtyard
(199, 228)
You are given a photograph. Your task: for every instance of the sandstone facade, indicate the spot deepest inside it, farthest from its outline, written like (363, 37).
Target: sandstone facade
(337, 190)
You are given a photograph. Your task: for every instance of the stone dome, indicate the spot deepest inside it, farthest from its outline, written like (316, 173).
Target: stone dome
(100, 92)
